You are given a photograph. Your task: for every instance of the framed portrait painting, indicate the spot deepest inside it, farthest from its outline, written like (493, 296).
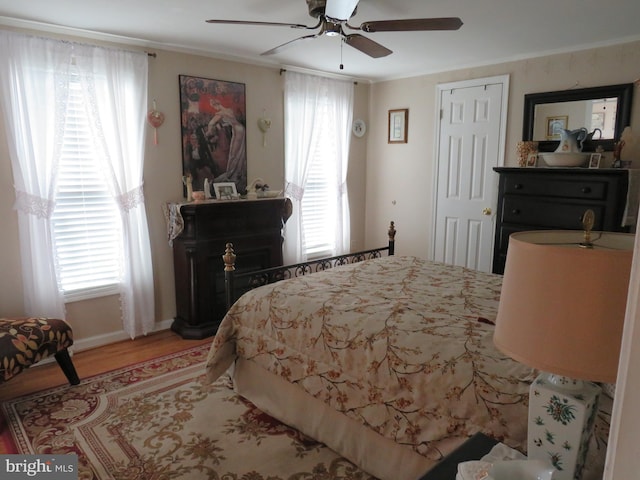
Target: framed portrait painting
(213, 124)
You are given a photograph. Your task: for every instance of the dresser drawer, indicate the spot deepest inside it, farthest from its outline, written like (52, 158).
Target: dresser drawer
(542, 212)
(556, 198)
(564, 186)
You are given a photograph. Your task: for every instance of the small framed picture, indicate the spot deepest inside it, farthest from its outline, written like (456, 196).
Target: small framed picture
(594, 160)
(398, 125)
(555, 125)
(532, 160)
(225, 190)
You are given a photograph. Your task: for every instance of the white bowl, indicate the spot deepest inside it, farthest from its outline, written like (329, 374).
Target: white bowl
(521, 470)
(268, 193)
(565, 159)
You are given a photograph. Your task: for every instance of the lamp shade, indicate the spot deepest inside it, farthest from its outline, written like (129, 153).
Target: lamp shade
(562, 306)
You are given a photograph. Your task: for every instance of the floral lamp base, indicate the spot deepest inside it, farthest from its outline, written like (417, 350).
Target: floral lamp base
(562, 412)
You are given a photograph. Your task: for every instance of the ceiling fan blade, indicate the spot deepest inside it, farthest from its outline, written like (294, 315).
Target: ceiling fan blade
(286, 45)
(411, 25)
(340, 9)
(366, 45)
(268, 24)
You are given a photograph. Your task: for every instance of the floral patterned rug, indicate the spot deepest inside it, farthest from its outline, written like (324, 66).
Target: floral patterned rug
(160, 420)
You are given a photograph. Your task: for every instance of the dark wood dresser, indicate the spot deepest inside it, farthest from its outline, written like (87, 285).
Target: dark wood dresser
(556, 198)
(255, 229)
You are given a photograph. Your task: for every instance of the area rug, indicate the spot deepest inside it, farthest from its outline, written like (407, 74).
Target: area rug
(161, 420)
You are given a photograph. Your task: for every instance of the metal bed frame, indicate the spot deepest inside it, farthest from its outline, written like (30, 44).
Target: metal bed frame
(257, 278)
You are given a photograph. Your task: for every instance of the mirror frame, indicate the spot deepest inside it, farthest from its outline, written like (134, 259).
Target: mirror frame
(623, 92)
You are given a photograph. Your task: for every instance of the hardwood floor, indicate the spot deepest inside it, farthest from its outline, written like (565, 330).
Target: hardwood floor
(98, 360)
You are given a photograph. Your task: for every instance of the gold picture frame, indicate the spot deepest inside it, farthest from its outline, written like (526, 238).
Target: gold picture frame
(555, 124)
(398, 125)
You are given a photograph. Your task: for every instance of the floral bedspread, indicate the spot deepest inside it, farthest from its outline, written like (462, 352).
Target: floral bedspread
(400, 344)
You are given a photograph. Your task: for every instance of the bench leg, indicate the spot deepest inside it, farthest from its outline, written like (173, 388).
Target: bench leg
(64, 360)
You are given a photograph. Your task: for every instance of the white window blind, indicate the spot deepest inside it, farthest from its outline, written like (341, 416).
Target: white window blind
(86, 221)
(319, 203)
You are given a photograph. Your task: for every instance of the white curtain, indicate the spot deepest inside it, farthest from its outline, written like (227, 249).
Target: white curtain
(343, 114)
(305, 97)
(34, 77)
(33, 107)
(115, 86)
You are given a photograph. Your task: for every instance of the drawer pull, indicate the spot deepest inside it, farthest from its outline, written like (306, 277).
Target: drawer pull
(518, 186)
(515, 211)
(586, 190)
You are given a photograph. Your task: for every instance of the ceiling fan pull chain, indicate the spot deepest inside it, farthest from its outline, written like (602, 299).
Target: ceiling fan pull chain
(341, 45)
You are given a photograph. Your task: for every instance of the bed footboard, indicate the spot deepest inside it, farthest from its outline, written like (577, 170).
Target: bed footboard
(237, 283)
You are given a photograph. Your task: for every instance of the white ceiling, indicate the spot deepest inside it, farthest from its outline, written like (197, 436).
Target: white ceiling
(494, 30)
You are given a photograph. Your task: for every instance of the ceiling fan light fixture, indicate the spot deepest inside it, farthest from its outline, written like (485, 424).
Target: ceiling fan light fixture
(316, 7)
(331, 29)
(339, 10)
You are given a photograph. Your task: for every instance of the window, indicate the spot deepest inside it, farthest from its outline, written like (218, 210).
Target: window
(86, 222)
(74, 233)
(319, 204)
(318, 114)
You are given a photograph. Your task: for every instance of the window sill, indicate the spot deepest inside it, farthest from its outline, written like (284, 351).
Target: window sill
(89, 293)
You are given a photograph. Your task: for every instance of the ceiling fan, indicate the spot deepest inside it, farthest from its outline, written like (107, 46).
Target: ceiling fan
(333, 15)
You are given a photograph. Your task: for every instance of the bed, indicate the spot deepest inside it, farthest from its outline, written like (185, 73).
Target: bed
(389, 361)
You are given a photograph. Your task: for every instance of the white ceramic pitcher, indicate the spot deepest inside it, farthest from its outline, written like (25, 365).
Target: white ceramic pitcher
(571, 141)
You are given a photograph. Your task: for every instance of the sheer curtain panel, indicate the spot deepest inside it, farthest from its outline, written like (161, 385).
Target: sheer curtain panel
(34, 76)
(318, 112)
(34, 79)
(115, 87)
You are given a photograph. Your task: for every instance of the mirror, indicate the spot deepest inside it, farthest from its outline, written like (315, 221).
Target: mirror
(605, 108)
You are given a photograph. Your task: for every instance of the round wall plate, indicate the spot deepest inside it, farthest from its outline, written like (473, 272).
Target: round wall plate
(359, 127)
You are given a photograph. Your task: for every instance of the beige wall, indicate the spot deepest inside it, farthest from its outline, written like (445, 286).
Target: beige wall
(404, 173)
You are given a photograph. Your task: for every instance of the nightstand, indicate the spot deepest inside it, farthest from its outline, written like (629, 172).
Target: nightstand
(473, 449)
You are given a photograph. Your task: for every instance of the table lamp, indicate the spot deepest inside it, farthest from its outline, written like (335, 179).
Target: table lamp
(561, 311)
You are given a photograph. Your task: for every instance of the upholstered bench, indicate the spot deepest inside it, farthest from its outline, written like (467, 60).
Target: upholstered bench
(25, 341)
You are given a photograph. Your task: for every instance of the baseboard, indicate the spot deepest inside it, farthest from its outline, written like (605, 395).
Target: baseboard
(107, 338)
(101, 340)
